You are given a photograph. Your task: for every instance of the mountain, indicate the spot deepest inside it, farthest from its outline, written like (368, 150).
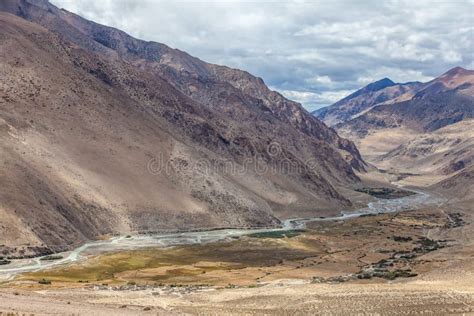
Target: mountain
(364, 99)
(101, 133)
(459, 187)
(443, 101)
(426, 132)
(442, 152)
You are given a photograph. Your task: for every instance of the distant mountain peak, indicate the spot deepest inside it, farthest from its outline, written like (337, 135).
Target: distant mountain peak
(372, 87)
(374, 93)
(457, 71)
(456, 78)
(384, 80)
(380, 84)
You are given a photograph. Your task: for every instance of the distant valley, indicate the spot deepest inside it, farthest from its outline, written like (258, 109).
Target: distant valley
(423, 131)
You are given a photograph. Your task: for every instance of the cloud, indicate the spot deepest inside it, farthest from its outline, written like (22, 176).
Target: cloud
(312, 52)
(396, 74)
(314, 100)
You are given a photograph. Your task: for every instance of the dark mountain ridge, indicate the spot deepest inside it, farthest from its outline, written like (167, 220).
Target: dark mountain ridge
(372, 87)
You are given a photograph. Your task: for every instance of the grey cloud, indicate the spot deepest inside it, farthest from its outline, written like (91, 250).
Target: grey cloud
(291, 44)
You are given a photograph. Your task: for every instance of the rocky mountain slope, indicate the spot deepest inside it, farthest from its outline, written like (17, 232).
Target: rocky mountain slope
(443, 101)
(427, 132)
(459, 187)
(444, 151)
(378, 92)
(102, 133)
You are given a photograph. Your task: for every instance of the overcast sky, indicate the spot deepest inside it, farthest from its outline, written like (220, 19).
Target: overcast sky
(314, 52)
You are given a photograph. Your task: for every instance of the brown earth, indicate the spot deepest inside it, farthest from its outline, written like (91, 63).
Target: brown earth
(101, 133)
(422, 137)
(361, 101)
(86, 112)
(445, 100)
(306, 273)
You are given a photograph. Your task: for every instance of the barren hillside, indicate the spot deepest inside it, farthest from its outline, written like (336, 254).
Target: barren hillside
(102, 133)
(445, 100)
(361, 101)
(444, 151)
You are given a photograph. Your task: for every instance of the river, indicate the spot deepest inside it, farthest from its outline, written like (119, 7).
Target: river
(379, 206)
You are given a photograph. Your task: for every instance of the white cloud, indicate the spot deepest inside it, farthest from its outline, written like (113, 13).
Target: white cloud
(323, 47)
(314, 100)
(325, 80)
(452, 56)
(395, 74)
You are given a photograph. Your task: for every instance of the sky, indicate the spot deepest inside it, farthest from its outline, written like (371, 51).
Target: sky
(313, 52)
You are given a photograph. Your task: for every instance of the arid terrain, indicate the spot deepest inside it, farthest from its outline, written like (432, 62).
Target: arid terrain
(102, 133)
(137, 179)
(424, 131)
(406, 262)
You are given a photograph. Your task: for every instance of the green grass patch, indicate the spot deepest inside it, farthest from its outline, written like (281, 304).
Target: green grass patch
(278, 234)
(385, 193)
(51, 257)
(238, 253)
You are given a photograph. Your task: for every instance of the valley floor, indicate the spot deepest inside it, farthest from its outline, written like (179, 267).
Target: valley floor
(419, 261)
(421, 296)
